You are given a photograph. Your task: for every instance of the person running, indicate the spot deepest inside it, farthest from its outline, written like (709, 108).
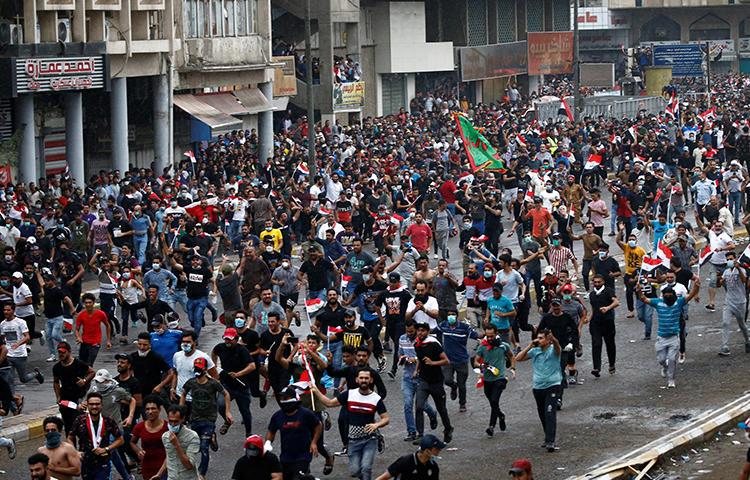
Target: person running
(500, 311)
(236, 367)
(362, 404)
(421, 465)
(633, 260)
(544, 353)
(16, 333)
(455, 337)
(602, 324)
(71, 378)
(257, 463)
(430, 360)
(88, 330)
(573, 306)
(54, 303)
(182, 446)
(668, 311)
(64, 459)
(720, 243)
(734, 281)
(145, 440)
(492, 356)
(409, 382)
(95, 436)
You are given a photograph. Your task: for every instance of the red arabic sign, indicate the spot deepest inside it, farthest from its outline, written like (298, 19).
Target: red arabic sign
(59, 74)
(550, 53)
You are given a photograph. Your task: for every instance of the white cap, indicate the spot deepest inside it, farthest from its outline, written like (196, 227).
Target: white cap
(102, 376)
(17, 275)
(549, 270)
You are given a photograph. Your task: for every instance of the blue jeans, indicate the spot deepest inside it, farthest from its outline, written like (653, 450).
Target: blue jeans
(735, 202)
(336, 350)
(196, 308)
(234, 228)
(178, 296)
(96, 473)
(241, 396)
(361, 457)
(140, 242)
(645, 315)
(54, 333)
(204, 430)
(409, 388)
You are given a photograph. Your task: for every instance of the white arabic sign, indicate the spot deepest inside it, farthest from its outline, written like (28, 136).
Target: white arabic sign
(58, 74)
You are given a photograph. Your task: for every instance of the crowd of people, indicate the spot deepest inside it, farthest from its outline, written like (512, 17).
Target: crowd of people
(333, 275)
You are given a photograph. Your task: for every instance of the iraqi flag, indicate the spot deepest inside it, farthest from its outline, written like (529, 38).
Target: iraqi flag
(673, 107)
(313, 305)
(396, 219)
(565, 110)
(594, 161)
(649, 263)
(664, 252)
(745, 257)
(708, 116)
(706, 253)
(190, 155)
(324, 211)
(345, 279)
(334, 330)
(521, 140)
(304, 383)
(194, 209)
(633, 133)
(302, 168)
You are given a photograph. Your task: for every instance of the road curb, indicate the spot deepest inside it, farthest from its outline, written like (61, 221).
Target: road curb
(27, 426)
(696, 432)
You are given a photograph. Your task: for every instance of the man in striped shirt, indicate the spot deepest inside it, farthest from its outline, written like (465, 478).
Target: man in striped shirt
(559, 256)
(668, 310)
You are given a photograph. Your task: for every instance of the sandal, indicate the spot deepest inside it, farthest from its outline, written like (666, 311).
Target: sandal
(19, 406)
(328, 468)
(225, 428)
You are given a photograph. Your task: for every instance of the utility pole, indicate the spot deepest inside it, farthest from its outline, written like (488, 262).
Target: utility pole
(577, 107)
(708, 73)
(311, 163)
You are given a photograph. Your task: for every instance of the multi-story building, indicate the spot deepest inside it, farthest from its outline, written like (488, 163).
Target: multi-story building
(92, 83)
(725, 24)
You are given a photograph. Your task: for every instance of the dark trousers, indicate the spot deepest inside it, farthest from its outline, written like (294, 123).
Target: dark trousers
(585, 271)
(603, 332)
(373, 329)
(395, 330)
(31, 323)
(292, 470)
(493, 390)
(536, 277)
(437, 392)
(546, 408)
(88, 353)
(108, 306)
(682, 333)
(241, 397)
(68, 416)
(521, 320)
(630, 291)
(343, 424)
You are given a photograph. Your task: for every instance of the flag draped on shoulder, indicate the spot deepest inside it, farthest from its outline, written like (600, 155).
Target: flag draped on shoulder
(594, 161)
(673, 107)
(481, 154)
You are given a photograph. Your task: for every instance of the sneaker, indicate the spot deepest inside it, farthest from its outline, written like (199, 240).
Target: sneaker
(579, 351)
(391, 374)
(454, 392)
(342, 453)
(724, 352)
(710, 308)
(381, 364)
(571, 380)
(38, 375)
(551, 447)
(681, 358)
(433, 423)
(12, 451)
(502, 423)
(448, 435)
(462, 408)
(381, 443)
(646, 337)
(435, 256)
(664, 372)
(596, 373)
(490, 431)
(51, 358)
(671, 384)
(263, 400)
(417, 439)
(410, 437)
(42, 338)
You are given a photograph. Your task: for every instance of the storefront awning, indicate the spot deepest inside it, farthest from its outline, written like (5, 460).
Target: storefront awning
(280, 103)
(223, 102)
(253, 100)
(219, 121)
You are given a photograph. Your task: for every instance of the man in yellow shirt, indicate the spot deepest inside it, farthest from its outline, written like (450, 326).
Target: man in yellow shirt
(274, 233)
(633, 259)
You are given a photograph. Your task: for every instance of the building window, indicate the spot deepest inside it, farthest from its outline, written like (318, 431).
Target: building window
(506, 21)
(220, 18)
(535, 15)
(477, 22)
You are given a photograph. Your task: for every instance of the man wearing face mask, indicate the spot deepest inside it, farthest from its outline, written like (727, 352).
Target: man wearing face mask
(455, 337)
(606, 266)
(236, 366)
(493, 354)
(258, 462)
(396, 300)
(152, 372)
(720, 244)
(182, 446)
(159, 277)
(668, 310)
(602, 324)
(362, 404)
(633, 260)
(99, 235)
(565, 329)
(734, 280)
(430, 359)
(64, 459)
(183, 365)
(421, 465)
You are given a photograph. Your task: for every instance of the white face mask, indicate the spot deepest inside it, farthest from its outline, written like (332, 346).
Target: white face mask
(142, 354)
(599, 290)
(285, 264)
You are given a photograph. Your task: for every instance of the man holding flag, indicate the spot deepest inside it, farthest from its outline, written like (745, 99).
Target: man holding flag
(720, 244)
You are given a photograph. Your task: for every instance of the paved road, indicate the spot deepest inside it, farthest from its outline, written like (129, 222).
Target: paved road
(601, 418)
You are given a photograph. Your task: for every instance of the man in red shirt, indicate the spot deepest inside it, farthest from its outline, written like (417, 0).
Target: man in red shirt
(89, 330)
(448, 192)
(420, 234)
(540, 220)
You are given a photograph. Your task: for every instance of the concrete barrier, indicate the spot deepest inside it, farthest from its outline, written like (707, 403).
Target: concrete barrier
(27, 426)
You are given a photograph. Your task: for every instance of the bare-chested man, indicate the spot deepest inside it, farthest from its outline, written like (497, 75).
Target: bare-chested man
(64, 459)
(424, 273)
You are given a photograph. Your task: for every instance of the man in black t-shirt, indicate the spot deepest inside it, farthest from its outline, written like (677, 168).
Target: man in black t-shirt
(329, 321)
(236, 366)
(270, 340)
(152, 372)
(352, 334)
(602, 324)
(199, 278)
(606, 266)
(256, 463)
(54, 302)
(396, 300)
(430, 358)
(71, 378)
(419, 465)
(316, 270)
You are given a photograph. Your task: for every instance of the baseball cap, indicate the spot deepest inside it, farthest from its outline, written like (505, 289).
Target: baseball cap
(63, 345)
(520, 466)
(367, 269)
(555, 300)
(201, 363)
(17, 275)
(549, 270)
(431, 441)
(394, 277)
(102, 375)
(122, 356)
(230, 333)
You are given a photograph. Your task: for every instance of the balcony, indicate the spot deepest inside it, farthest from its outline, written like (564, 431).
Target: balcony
(626, 4)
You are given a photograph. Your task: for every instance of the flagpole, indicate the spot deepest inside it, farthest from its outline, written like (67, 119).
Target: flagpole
(312, 378)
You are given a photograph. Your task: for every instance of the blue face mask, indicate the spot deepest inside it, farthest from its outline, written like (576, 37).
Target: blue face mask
(174, 428)
(488, 274)
(156, 266)
(239, 322)
(187, 348)
(452, 319)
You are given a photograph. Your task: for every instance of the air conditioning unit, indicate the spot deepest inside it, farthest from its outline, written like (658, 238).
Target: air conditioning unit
(64, 30)
(10, 33)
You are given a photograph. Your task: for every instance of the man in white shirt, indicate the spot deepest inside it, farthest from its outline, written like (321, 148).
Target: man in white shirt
(333, 187)
(9, 233)
(423, 308)
(16, 335)
(23, 300)
(720, 244)
(183, 362)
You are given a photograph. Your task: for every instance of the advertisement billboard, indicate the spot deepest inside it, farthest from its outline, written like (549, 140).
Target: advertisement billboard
(599, 75)
(550, 53)
(348, 96)
(492, 61)
(284, 78)
(686, 60)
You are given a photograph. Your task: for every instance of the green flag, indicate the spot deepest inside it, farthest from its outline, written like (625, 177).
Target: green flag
(482, 155)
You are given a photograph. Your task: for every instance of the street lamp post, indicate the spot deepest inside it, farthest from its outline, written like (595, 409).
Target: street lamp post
(311, 165)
